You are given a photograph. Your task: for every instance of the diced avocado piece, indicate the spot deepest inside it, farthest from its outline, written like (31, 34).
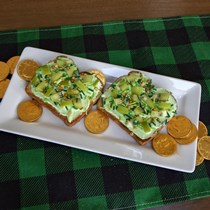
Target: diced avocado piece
(35, 80)
(87, 78)
(155, 113)
(163, 96)
(49, 91)
(68, 103)
(164, 105)
(57, 75)
(55, 97)
(138, 110)
(65, 82)
(133, 83)
(135, 98)
(158, 113)
(45, 70)
(81, 86)
(114, 93)
(124, 86)
(70, 70)
(41, 86)
(139, 118)
(121, 81)
(117, 101)
(145, 126)
(133, 77)
(95, 83)
(77, 103)
(122, 109)
(61, 62)
(72, 92)
(150, 103)
(137, 90)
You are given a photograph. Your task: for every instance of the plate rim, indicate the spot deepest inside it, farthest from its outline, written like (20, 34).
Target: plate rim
(3, 125)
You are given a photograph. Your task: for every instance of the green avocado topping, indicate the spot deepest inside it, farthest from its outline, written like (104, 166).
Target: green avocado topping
(138, 104)
(60, 84)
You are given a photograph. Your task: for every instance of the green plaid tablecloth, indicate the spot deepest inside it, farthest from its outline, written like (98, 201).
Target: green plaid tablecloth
(38, 175)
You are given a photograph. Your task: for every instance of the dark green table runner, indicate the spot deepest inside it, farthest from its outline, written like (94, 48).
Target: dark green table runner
(39, 175)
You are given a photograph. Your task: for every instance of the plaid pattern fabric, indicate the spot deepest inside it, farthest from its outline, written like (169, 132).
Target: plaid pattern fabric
(39, 175)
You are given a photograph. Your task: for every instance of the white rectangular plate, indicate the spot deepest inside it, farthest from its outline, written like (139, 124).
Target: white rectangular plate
(114, 141)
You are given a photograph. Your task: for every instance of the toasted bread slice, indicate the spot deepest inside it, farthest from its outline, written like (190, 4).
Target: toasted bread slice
(66, 92)
(140, 108)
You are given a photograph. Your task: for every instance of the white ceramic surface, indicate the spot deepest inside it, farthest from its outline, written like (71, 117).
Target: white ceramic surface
(114, 141)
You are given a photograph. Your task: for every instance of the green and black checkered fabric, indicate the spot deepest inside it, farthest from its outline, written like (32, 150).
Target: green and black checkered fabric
(38, 175)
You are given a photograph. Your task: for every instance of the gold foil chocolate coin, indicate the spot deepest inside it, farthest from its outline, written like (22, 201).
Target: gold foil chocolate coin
(190, 137)
(3, 87)
(12, 62)
(202, 130)
(98, 74)
(199, 159)
(96, 122)
(179, 126)
(4, 70)
(27, 68)
(29, 111)
(164, 144)
(204, 147)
